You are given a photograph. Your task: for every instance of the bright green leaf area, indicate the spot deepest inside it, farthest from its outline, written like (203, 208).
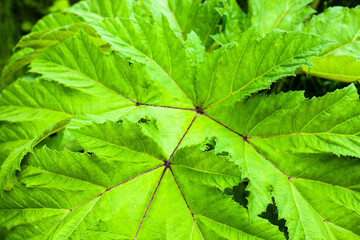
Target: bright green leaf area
(129, 121)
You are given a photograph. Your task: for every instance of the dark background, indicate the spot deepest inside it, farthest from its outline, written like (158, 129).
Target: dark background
(18, 16)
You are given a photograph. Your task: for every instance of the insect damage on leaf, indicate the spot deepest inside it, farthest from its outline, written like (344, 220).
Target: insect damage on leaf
(152, 120)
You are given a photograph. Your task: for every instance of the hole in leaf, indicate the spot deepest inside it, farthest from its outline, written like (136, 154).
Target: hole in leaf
(143, 120)
(151, 123)
(119, 121)
(313, 86)
(210, 145)
(239, 193)
(272, 215)
(224, 153)
(270, 188)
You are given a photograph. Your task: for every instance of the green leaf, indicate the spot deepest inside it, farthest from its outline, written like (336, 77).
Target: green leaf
(234, 23)
(55, 20)
(96, 10)
(186, 16)
(16, 62)
(343, 68)
(338, 24)
(43, 100)
(41, 40)
(286, 15)
(183, 16)
(317, 123)
(339, 60)
(131, 125)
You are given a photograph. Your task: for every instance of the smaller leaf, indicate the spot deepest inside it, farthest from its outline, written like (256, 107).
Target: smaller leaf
(338, 60)
(342, 68)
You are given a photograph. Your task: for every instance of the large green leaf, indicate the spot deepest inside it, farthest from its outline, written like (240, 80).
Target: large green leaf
(339, 24)
(271, 61)
(130, 125)
(21, 142)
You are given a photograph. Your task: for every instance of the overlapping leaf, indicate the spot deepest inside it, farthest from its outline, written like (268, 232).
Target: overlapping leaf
(339, 60)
